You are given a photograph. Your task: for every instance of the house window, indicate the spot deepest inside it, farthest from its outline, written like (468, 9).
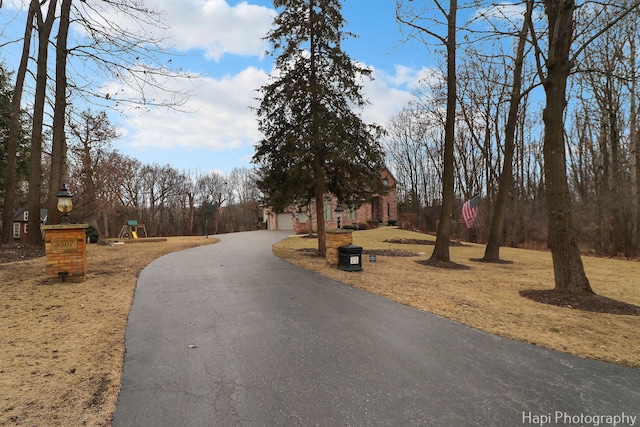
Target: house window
(26, 215)
(352, 215)
(328, 210)
(16, 230)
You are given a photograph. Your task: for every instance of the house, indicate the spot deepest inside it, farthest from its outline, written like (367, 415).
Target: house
(21, 220)
(380, 209)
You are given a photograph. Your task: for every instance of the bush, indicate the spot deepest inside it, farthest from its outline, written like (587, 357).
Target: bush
(373, 223)
(358, 226)
(92, 234)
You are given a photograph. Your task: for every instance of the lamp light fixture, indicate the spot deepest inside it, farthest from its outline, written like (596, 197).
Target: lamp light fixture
(65, 205)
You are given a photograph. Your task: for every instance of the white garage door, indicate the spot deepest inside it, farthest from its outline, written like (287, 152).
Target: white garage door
(285, 221)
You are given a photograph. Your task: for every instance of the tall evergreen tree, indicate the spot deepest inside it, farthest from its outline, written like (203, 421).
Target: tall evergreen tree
(5, 111)
(11, 179)
(314, 143)
(16, 157)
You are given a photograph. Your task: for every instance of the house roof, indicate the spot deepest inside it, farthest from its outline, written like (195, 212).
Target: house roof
(18, 216)
(388, 171)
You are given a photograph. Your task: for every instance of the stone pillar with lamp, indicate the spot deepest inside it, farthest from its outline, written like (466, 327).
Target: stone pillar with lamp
(336, 238)
(65, 244)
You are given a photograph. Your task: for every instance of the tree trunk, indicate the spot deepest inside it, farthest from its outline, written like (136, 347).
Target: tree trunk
(105, 222)
(317, 144)
(34, 236)
(322, 244)
(567, 265)
(191, 196)
(441, 247)
(59, 144)
(634, 152)
(492, 250)
(13, 138)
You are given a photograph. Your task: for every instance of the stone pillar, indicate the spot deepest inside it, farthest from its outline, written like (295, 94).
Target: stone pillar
(333, 240)
(66, 248)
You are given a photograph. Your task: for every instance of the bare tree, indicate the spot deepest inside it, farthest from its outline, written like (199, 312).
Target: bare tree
(160, 188)
(90, 143)
(492, 250)
(212, 189)
(568, 269)
(412, 20)
(559, 61)
(44, 24)
(634, 139)
(120, 41)
(414, 146)
(58, 145)
(405, 151)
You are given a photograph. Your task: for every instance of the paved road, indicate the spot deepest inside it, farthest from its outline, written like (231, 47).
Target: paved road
(229, 335)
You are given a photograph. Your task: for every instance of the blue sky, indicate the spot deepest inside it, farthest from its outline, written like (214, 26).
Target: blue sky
(222, 41)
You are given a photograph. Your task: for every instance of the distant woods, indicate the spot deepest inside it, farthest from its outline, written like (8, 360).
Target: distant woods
(111, 188)
(597, 119)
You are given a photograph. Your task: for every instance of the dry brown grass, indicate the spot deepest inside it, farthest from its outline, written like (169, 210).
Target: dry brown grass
(62, 345)
(486, 296)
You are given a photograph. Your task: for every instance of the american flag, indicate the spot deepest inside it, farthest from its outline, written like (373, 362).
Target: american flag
(470, 210)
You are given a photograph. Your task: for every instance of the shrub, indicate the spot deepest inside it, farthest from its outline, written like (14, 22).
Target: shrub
(92, 234)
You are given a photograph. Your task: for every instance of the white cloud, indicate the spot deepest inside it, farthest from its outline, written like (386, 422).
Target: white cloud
(389, 93)
(503, 11)
(409, 78)
(501, 15)
(216, 27)
(219, 117)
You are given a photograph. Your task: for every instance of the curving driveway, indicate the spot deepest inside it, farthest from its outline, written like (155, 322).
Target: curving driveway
(230, 335)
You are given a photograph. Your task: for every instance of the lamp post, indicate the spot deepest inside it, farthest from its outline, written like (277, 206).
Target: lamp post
(65, 205)
(338, 210)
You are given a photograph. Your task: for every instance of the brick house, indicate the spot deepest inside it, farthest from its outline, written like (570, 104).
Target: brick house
(380, 209)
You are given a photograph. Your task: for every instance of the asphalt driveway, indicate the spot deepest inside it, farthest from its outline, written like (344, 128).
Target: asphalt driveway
(230, 335)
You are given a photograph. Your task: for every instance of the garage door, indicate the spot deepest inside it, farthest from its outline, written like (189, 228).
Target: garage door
(285, 221)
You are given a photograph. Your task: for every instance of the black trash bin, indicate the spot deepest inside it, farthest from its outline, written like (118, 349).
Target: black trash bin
(350, 257)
